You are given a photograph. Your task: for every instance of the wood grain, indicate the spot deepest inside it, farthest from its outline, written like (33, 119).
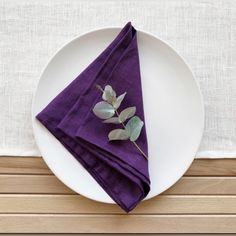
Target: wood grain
(38, 223)
(36, 165)
(204, 185)
(49, 184)
(32, 184)
(212, 167)
(23, 165)
(75, 204)
(33, 200)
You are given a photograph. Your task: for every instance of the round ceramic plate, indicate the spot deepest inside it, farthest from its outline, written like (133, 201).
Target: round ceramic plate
(172, 104)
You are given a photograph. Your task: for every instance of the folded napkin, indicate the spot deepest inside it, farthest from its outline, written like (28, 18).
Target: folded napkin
(117, 166)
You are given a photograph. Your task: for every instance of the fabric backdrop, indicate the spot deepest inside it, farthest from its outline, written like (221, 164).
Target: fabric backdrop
(203, 32)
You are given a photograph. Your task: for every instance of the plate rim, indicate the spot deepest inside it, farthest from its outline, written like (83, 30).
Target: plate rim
(201, 101)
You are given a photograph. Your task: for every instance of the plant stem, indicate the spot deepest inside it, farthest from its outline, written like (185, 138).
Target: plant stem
(117, 113)
(135, 144)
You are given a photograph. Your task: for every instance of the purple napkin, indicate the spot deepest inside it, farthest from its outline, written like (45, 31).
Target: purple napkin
(117, 166)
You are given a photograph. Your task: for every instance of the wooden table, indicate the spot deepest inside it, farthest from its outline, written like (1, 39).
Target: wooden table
(33, 200)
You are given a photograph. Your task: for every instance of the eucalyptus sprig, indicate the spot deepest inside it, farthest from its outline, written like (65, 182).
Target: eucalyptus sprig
(108, 111)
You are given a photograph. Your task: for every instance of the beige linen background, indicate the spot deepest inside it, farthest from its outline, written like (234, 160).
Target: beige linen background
(203, 32)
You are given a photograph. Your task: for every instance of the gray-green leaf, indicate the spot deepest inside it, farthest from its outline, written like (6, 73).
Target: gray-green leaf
(118, 100)
(118, 134)
(134, 127)
(109, 94)
(127, 113)
(103, 110)
(113, 120)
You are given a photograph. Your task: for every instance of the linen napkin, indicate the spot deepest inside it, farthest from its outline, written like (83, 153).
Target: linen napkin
(117, 166)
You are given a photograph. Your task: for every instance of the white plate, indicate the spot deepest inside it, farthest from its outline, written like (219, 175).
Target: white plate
(172, 102)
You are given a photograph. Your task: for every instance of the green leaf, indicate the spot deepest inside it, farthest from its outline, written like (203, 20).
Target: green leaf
(118, 100)
(113, 120)
(109, 94)
(103, 110)
(127, 113)
(134, 127)
(118, 134)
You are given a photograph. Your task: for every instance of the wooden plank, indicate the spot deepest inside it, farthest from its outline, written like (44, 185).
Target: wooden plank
(23, 165)
(33, 223)
(33, 200)
(32, 184)
(204, 185)
(49, 184)
(75, 204)
(212, 167)
(36, 165)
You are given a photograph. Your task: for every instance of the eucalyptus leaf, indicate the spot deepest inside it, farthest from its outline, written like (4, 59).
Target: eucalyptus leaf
(113, 120)
(103, 110)
(109, 94)
(127, 113)
(118, 100)
(118, 134)
(134, 127)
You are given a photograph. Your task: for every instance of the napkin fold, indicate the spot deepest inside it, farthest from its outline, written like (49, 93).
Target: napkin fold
(117, 166)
